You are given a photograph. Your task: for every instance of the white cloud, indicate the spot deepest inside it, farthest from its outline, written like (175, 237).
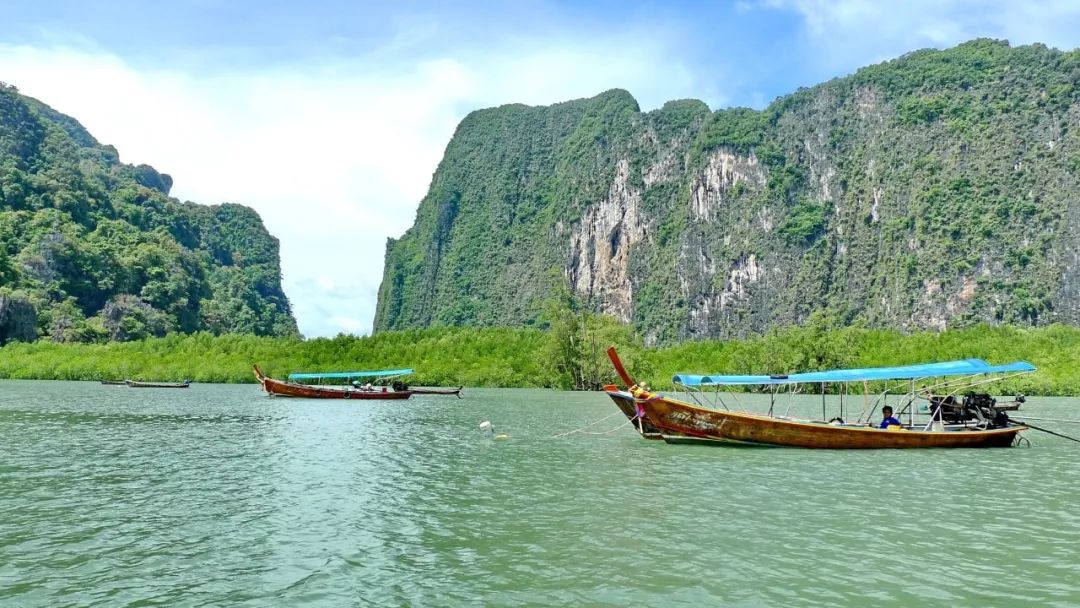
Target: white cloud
(846, 34)
(348, 324)
(335, 157)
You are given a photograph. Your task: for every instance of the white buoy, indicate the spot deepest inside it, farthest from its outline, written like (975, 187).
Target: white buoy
(489, 431)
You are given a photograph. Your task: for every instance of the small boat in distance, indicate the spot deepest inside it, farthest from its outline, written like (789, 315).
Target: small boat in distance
(975, 423)
(291, 388)
(134, 384)
(114, 382)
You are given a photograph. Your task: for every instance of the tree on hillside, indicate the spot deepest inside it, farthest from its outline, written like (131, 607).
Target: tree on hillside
(575, 355)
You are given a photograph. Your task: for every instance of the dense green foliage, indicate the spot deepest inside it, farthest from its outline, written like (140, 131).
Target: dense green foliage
(502, 357)
(92, 249)
(489, 357)
(574, 352)
(935, 190)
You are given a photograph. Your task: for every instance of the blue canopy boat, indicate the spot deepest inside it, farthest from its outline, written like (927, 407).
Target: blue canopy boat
(951, 419)
(299, 385)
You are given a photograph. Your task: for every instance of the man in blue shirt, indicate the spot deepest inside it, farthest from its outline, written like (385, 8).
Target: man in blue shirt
(888, 418)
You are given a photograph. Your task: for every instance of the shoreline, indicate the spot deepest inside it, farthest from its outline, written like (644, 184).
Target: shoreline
(521, 358)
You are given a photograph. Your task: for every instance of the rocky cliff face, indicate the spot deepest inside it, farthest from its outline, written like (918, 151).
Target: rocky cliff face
(935, 190)
(600, 245)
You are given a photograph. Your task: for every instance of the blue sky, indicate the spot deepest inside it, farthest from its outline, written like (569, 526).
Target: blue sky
(330, 117)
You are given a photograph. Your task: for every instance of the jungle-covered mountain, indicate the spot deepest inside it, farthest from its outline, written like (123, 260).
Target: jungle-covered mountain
(92, 249)
(938, 189)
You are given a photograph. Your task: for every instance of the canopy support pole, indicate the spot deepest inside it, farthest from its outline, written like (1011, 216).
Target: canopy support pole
(911, 406)
(823, 402)
(842, 401)
(792, 391)
(865, 401)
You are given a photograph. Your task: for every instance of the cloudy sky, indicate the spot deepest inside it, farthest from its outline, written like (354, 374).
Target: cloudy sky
(329, 117)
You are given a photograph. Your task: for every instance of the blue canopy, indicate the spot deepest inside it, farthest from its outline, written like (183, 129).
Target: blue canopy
(382, 373)
(963, 367)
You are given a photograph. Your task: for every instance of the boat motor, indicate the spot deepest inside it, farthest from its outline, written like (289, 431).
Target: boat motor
(1001, 419)
(973, 406)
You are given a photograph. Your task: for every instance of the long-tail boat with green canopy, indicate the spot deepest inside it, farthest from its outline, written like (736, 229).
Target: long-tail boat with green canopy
(386, 385)
(293, 388)
(951, 419)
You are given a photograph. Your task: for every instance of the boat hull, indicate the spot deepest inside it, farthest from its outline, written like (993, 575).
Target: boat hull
(134, 384)
(683, 421)
(280, 388)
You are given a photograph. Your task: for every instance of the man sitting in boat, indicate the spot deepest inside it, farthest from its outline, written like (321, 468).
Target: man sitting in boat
(888, 419)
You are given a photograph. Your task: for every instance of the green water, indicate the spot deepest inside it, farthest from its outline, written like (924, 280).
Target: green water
(219, 496)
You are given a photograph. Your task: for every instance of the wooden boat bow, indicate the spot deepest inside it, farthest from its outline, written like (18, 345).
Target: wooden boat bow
(619, 369)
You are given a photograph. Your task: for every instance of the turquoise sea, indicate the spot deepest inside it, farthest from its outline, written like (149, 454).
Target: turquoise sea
(220, 496)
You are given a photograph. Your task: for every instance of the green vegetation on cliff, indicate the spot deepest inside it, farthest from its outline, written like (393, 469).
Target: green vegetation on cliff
(503, 357)
(93, 250)
(935, 190)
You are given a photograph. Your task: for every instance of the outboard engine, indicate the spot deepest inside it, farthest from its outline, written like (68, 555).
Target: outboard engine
(1001, 419)
(982, 401)
(973, 406)
(981, 406)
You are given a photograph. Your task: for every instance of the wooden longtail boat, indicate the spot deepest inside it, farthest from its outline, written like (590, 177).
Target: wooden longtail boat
(679, 421)
(134, 384)
(282, 388)
(114, 382)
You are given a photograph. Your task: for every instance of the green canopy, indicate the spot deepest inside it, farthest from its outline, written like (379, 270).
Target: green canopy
(382, 373)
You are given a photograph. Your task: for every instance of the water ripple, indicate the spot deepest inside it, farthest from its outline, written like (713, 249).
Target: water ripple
(218, 495)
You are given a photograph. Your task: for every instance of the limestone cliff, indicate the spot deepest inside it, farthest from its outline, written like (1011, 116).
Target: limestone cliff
(935, 190)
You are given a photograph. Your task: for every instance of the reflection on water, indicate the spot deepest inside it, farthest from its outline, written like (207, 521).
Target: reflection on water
(218, 495)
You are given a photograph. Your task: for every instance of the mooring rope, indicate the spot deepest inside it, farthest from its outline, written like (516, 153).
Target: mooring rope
(628, 421)
(593, 423)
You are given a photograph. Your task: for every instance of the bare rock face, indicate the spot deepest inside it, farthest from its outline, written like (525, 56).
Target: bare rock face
(724, 170)
(18, 319)
(741, 278)
(127, 317)
(600, 247)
